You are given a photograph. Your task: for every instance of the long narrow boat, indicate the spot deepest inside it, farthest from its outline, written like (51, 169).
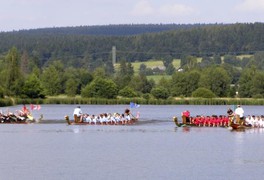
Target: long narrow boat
(130, 122)
(236, 126)
(191, 124)
(13, 119)
(233, 126)
(175, 120)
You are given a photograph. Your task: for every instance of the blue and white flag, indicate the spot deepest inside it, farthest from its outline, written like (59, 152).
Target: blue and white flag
(134, 105)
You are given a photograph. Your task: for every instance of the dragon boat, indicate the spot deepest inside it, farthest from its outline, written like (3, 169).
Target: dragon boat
(77, 122)
(175, 120)
(14, 119)
(236, 126)
(200, 121)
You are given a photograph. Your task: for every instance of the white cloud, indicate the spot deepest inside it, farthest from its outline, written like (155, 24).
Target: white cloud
(175, 10)
(251, 5)
(142, 8)
(145, 8)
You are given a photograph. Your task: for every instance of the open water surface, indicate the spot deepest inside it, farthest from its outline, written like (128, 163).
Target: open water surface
(152, 149)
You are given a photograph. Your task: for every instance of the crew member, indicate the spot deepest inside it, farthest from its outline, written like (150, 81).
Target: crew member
(186, 117)
(230, 115)
(239, 114)
(77, 114)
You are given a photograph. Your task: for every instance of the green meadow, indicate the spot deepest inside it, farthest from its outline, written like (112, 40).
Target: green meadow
(153, 64)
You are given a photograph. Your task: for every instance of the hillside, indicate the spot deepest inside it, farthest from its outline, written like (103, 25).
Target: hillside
(110, 30)
(79, 46)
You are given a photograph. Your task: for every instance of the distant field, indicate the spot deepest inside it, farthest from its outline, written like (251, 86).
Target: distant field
(244, 56)
(158, 63)
(149, 64)
(157, 78)
(152, 64)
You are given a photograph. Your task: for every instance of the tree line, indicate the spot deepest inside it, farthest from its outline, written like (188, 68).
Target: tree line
(215, 76)
(90, 47)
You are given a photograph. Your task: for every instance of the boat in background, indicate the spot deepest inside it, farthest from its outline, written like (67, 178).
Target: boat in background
(201, 121)
(11, 118)
(127, 122)
(175, 120)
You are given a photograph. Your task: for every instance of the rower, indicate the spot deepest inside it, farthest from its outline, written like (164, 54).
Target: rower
(230, 114)
(239, 114)
(77, 114)
(186, 117)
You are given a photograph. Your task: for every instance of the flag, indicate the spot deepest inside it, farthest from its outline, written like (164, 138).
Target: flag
(35, 107)
(134, 105)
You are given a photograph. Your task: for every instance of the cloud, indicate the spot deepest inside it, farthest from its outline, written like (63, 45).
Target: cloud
(176, 10)
(251, 6)
(145, 8)
(142, 8)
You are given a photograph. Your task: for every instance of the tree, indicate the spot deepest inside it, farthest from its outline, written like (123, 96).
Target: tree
(130, 69)
(25, 63)
(231, 59)
(33, 87)
(167, 61)
(189, 62)
(258, 85)
(184, 83)
(160, 92)
(203, 93)
(51, 81)
(179, 84)
(193, 79)
(2, 93)
(217, 59)
(142, 69)
(71, 87)
(124, 75)
(216, 80)
(99, 72)
(127, 92)
(12, 73)
(259, 58)
(206, 61)
(84, 78)
(170, 69)
(109, 68)
(141, 84)
(245, 82)
(100, 88)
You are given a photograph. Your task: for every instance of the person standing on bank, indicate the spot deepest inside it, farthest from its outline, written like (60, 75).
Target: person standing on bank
(77, 114)
(239, 112)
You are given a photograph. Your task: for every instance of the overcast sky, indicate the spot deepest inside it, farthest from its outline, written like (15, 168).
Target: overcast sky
(32, 14)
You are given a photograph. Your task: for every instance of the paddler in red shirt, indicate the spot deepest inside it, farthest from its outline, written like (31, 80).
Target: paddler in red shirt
(186, 117)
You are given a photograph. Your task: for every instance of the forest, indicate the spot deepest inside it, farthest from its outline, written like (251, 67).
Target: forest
(216, 60)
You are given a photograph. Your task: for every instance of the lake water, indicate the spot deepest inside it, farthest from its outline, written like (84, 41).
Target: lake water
(152, 149)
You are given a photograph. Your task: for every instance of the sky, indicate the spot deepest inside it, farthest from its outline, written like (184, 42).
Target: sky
(33, 14)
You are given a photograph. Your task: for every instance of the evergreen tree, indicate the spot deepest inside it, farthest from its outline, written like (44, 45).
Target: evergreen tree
(12, 73)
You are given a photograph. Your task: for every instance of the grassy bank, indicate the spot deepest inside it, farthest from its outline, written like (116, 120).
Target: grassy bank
(171, 101)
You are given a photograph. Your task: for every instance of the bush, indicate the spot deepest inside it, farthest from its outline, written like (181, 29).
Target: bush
(100, 88)
(160, 93)
(127, 92)
(203, 93)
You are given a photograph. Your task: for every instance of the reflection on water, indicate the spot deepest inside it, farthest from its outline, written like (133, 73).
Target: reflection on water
(238, 149)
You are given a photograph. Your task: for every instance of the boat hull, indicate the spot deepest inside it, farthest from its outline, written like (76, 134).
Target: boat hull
(131, 122)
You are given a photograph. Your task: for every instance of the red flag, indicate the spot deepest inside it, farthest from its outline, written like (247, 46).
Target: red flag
(35, 107)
